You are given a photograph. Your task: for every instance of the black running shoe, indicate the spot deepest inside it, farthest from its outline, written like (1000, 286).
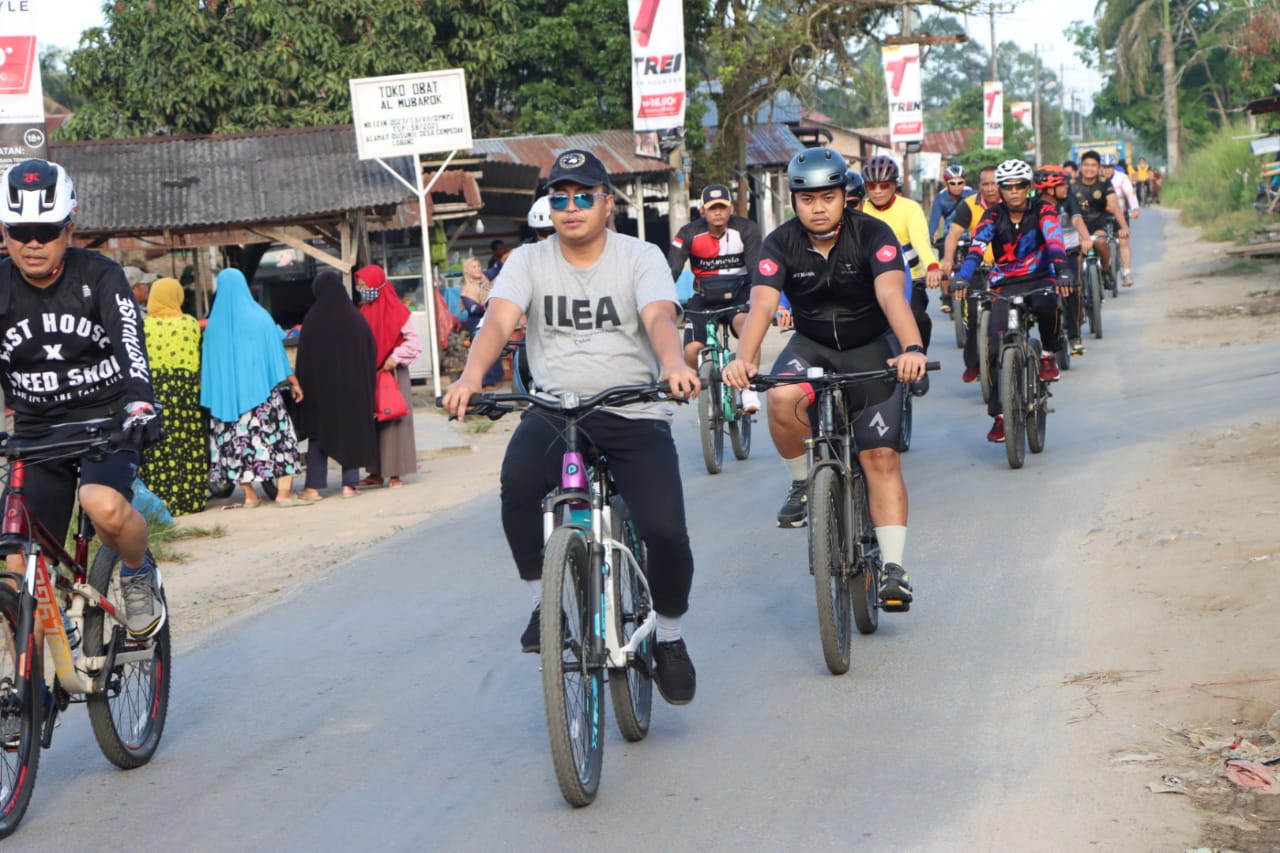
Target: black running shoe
(795, 510)
(531, 639)
(895, 590)
(675, 675)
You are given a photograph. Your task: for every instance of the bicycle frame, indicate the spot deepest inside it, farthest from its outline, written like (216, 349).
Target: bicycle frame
(43, 559)
(717, 349)
(582, 501)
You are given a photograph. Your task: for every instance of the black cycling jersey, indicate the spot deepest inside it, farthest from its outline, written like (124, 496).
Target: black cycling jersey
(1093, 200)
(75, 349)
(833, 301)
(731, 255)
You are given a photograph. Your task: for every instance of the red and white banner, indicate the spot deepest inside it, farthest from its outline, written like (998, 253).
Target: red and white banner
(993, 115)
(1021, 111)
(21, 92)
(902, 80)
(657, 74)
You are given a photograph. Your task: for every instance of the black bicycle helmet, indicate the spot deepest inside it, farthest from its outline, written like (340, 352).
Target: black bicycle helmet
(854, 185)
(880, 168)
(816, 169)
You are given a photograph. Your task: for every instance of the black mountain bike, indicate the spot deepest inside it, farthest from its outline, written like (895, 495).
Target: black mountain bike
(844, 556)
(1024, 396)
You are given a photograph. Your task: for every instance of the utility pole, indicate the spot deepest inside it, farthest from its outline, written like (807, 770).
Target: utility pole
(1035, 107)
(907, 175)
(995, 70)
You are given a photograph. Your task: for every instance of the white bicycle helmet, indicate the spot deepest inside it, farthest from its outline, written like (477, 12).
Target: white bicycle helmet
(1013, 170)
(954, 172)
(539, 218)
(38, 191)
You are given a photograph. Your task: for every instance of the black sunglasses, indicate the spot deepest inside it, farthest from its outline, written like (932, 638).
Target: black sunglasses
(1015, 185)
(40, 233)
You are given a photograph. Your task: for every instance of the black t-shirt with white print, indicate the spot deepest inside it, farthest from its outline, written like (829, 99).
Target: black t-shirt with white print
(74, 350)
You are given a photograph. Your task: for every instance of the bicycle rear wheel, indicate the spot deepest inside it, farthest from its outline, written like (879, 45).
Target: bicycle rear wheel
(21, 716)
(631, 688)
(829, 549)
(984, 353)
(1038, 416)
(1093, 286)
(128, 716)
(572, 688)
(1015, 411)
(710, 419)
(866, 583)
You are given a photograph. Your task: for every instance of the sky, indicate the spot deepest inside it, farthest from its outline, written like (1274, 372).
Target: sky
(59, 22)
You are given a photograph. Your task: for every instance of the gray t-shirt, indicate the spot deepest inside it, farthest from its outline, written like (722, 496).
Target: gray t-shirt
(585, 333)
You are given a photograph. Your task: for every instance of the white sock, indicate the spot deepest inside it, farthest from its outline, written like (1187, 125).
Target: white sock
(893, 542)
(668, 628)
(535, 587)
(798, 468)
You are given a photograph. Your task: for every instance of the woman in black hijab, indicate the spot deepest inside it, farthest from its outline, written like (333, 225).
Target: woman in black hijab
(336, 365)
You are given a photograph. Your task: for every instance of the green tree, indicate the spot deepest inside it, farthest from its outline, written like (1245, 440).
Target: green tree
(55, 79)
(221, 66)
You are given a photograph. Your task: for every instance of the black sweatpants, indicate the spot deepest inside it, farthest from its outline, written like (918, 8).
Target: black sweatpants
(919, 307)
(646, 469)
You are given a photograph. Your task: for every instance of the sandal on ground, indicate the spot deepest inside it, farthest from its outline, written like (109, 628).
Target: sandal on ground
(395, 483)
(370, 482)
(246, 505)
(303, 498)
(355, 493)
(292, 501)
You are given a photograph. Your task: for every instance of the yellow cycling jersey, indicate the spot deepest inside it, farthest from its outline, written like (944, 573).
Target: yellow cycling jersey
(906, 218)
(974, 203)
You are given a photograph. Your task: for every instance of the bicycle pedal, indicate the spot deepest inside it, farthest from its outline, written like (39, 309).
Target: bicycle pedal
(894, 605)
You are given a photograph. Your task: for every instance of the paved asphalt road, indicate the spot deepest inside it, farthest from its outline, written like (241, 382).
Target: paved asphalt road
(388, 707)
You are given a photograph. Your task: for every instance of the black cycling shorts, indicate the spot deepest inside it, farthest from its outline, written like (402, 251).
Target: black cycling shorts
(51, 485)
(875, 408)
(698, 312)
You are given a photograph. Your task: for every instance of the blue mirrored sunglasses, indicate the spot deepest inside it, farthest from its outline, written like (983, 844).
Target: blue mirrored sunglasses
(582, 201)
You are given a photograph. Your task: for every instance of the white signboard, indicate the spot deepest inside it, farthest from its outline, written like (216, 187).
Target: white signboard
(902, 80)
(411, 114)
(21, 93)
(1021, 111)
(993, 115)
(657, 73)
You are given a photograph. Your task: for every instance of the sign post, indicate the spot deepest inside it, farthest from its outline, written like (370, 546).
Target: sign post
(414, 114)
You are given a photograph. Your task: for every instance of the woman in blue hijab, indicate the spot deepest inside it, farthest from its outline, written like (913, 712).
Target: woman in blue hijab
(243, 367)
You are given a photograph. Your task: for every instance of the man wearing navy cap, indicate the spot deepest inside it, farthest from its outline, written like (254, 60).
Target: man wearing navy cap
(602, 311)
(720, 248)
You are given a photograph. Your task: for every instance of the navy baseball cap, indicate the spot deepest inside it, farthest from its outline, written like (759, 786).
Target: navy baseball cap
(716, 194)
(581, 167)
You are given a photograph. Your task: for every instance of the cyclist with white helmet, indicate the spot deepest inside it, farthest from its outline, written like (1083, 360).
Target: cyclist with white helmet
(844, 275)
(905, 217)
(74, 356)
(1128, 207)
(539, 218)
(1026, 241)
(721, 249)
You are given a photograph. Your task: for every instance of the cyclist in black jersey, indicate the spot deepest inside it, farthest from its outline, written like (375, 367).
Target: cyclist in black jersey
(844, 274)
(72, 355)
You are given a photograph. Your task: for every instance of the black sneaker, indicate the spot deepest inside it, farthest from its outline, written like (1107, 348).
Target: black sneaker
(675, 675)
(796, 507)
(531, 639)
(895, 590)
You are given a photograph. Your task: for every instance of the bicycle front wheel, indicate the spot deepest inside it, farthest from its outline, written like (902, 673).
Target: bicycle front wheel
(572, 687)
(21, 716)
(958, 312)
(1093, 287)
(710, 419)
(829, 549)
(984, 354)
(631, 688)
(740, 430)
(128, 716)
(1015, 408)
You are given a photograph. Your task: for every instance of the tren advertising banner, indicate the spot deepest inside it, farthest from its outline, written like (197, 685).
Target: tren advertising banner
(21, 92)
(1021, 112)
(657, 75)
(902, 79)
(993, 115)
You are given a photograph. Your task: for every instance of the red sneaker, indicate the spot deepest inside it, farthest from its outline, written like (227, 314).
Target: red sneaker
(996, 432)
(1049, 367)
(970, 374)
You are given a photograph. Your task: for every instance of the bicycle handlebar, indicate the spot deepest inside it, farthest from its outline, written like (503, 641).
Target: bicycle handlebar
(494, 406)
(765, 381)
(987, 295)
(13, 447)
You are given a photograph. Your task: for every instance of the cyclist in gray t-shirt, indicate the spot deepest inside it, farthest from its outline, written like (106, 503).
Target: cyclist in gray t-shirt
(602, 311)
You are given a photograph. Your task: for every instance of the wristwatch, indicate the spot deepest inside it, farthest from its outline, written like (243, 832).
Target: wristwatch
(915, 348)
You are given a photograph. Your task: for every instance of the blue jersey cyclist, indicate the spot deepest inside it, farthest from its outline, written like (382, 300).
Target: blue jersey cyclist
(74, 357)
(1025, 237)
(843, 273)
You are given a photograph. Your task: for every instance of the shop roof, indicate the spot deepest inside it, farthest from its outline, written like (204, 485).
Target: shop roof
(615, 148)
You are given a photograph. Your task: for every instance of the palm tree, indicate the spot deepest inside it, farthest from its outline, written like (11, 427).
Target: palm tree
(1129, 28)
